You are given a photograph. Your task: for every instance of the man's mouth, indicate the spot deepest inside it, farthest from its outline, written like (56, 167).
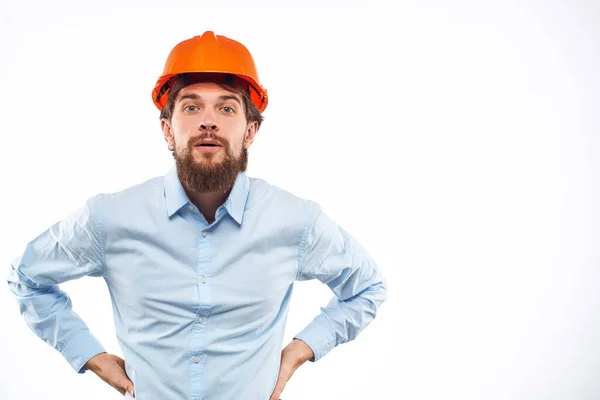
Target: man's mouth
(208, 143)
(208, 147)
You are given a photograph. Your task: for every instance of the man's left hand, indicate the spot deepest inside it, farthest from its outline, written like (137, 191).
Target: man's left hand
(293, 356)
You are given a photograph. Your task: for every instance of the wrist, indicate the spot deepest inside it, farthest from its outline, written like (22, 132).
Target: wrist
(92, 363)
(302, 351)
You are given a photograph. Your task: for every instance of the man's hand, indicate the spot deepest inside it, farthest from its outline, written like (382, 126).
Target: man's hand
(111, 369)
(293, 356)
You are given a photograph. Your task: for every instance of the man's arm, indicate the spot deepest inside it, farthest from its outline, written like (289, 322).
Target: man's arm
(333, 256)
(68, 250)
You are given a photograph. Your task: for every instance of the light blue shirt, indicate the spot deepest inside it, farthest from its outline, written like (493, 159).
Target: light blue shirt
(199, 308)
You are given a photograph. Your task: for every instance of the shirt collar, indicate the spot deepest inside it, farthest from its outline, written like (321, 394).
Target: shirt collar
(176, 197)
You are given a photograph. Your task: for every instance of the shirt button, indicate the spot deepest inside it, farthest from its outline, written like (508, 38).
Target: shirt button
(196, 360)
(205, 234)
(191, 208)
(200, 319)
(203, 279)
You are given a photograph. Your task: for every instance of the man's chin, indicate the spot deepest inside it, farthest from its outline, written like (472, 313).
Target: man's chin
(211, 159)
(207, 165)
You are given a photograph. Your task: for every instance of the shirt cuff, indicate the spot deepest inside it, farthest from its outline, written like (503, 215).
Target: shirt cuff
(79, 349)
(317, 335)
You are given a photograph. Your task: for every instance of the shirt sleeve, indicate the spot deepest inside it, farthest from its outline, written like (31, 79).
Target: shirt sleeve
(70, 249)
(333, 256)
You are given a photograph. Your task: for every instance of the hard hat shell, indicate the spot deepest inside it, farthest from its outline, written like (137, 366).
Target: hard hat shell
(210, 53)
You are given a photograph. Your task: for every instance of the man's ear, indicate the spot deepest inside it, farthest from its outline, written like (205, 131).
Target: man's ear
(165, 126)
(251, 131)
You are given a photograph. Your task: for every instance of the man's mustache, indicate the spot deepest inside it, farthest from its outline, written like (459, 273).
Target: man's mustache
(208, 135)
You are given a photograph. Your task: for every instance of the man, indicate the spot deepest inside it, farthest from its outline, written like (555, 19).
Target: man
(200, 263)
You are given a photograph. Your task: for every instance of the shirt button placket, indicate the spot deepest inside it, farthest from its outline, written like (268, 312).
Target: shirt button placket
(198, 345)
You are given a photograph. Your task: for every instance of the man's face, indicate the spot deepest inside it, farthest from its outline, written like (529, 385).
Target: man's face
(211, 137)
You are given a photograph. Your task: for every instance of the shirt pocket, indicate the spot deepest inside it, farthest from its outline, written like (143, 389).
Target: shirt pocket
(132, 377)
(273, 385)
(276, 376)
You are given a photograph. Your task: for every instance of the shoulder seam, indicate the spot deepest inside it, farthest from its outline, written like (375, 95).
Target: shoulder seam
(101, 234)
(310, 222)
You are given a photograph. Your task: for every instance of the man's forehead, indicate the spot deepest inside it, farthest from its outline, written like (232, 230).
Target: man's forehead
(206, 89)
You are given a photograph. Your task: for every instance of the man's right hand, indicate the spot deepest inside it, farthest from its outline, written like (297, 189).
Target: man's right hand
(111, 369)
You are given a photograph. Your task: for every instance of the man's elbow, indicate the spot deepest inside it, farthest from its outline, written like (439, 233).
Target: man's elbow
(376, 295)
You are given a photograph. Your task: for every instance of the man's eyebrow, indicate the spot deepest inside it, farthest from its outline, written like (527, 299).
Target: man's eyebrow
(191, 96)
(226, 97)
(222, 98)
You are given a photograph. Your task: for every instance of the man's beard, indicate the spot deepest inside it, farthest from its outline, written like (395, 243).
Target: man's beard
(207, 175)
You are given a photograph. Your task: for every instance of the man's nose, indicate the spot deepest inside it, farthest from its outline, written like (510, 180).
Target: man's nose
(208, 121)
(208, 125)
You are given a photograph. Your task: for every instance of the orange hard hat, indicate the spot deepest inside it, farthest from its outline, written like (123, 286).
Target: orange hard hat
(210, 53)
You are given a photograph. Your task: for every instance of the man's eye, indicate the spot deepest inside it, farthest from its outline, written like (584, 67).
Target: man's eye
(190, 108)
(228, 110)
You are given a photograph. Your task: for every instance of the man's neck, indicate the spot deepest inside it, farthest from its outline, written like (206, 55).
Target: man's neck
(208, 203)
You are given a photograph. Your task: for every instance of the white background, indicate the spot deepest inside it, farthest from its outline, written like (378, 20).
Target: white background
(457, 141)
